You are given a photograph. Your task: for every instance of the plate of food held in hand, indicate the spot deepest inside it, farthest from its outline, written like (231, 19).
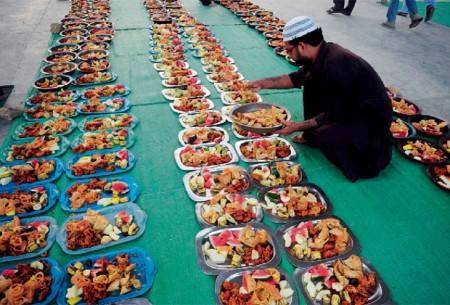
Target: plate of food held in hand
(429, 126)
(260, 117)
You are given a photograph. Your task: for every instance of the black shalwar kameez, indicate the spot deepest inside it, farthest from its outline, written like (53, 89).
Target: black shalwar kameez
(349, 102)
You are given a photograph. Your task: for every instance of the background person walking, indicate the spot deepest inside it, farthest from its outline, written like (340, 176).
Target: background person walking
(430, 8)
(339, 7)
(392, 14)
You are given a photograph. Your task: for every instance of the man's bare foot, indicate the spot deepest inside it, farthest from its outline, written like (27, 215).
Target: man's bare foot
(299, 139)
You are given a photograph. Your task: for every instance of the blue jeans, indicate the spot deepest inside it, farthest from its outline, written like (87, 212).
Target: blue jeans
(404, 8)
(393, 9)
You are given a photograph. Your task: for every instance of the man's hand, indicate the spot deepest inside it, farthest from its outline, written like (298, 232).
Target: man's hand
(290, 127)
(255, 85)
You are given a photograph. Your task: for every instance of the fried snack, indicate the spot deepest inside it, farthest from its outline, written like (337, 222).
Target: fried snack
(105, 91)
(403, 107)
(112, 121)
(23, 201)
(46, 111)
(430, 126)
(62, 96)
(55, 126)
(39, 147)
(272, 117)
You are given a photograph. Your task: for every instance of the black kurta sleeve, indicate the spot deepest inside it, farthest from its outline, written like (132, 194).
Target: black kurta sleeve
(298, 78)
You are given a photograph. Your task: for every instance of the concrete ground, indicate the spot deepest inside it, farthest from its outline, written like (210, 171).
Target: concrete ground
(416, 61)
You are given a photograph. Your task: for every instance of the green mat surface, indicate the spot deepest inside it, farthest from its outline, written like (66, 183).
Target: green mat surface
(400, 218)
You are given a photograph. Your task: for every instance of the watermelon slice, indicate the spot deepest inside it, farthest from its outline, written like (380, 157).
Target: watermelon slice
(234, 242)
(217, 241)
(261, 274)
(122, 154)
(119, 186)
(319, 270)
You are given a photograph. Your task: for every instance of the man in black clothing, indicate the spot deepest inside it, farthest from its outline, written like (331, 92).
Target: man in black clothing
(346, 109)
(339, 7)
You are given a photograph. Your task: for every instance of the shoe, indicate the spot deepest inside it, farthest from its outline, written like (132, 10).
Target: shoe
(346, 12)
(334, 10)
(415, 22)
(390, 25)
(403, 14)
(430, 13)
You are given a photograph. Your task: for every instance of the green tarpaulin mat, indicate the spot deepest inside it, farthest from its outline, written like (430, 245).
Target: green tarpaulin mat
(400, 218)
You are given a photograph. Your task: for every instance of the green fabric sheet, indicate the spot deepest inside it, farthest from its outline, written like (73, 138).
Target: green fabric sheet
(400, 218)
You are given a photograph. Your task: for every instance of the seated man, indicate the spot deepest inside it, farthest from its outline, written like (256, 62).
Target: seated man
(346, 109)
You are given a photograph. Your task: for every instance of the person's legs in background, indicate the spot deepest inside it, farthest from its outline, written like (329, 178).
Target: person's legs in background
(412, 9)
(391, 14)
(350, 6)
(404, 10)
(338, 7)
(431, 6)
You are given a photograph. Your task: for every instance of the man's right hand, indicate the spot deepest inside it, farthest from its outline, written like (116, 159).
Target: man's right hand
(255, 85)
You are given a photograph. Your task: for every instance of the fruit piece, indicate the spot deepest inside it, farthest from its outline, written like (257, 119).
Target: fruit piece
(119, 186)
(248, 282)
(261, 274)
(319, 270)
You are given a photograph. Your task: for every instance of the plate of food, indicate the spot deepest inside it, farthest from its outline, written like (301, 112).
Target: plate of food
(189, 105)
(228, 209)
(428, 125)
(240, 97)
(217, 60)
(93, 65)
(294, 203)
(444, 142)
(178, 72)
(74, 32)
(245, 134)
(226, 112)
(71, 40)
(56, 126)
(260, 117)
(107, 91)
(422, 151)
(266, 285)
(440, 175)
(101, 24)
(97, 193)
(204, 118)
(265, 149)
(93, 55)
(276, 174)
(48, 111)
(59, 68)
(205, 183)
(100, 163)
(26, 201)
(107, 121)
(92, 45)
(79, 24)
(102, 31)
(237, 247)
(221, 68)
(165, 55)
(26, 238)
(401, 130)
(96, 78)
(170, 65)
(202, 136)
(52, 82)
(191, 91)
(316, 241)
(128, 273)
(100, 38)
(34, 282)
(404, 108)
(43, 146)
(101, 229)
(199, 156)
(224, 77)
(61, 57)
(68, 47)
(51, 97)
(103, 106)
(331, 282)
(232, 86)
(30, 172)
(180, 81)
(106, 139)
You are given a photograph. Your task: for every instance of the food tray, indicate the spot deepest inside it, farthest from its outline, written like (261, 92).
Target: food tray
(63, 145)
(75, 96)
(211, 106)
(145, 267)
(234, 157)
(224, 96)
(53, 176)
(399, 114)
(403, 143)
(66, 78)
(113, 79)
(127, 92)
(381, 295)
(105, 54)
(165, 93)
(231, 61)
(314, 188)
(139, 217)
(56, 273)
(101, 172)
(90, 118)
(164, 75)
(224, 140)
(208, 194)
(53, 195)
(132, 194)
(257, 210)
(72, 69)
(157, 66)
(208, 77)
(196, 54)
(302, 173)
(185, 115)
(434, 177)
(51, 236)
(19, 129)
(411, 131)
(236, 276)
(126, 106)
(204, 68)
(352, 248)
(419, 117)
(214, 269)
(226, 112)
(31, 119)
(238, 145)
(131, 138)
(164, 83)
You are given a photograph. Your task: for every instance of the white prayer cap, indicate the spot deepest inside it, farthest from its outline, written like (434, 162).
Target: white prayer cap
(298, 27)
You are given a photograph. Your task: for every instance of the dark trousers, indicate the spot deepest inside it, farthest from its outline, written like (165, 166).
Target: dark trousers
(339, 5)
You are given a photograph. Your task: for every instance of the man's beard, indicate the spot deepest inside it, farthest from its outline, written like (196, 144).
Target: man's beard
(303, 61)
